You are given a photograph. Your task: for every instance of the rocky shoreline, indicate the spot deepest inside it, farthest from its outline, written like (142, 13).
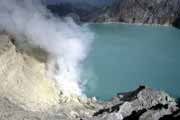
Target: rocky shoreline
(161, 12)
(140, 104)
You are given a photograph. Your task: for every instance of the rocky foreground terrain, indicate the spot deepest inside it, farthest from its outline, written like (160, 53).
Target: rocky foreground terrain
(164, 12)
(26, 94)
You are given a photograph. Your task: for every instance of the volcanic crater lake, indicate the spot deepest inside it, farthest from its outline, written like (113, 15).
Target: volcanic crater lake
(126, 56)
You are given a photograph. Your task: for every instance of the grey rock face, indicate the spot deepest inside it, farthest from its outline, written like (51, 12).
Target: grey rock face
(163, 12)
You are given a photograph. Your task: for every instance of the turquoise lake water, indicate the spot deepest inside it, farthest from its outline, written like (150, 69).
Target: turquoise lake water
(126, 56)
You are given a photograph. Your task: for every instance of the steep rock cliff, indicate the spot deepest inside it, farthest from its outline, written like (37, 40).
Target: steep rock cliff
(163, 12)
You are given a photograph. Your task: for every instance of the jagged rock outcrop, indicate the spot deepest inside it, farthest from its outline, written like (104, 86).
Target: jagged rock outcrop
(141, 104)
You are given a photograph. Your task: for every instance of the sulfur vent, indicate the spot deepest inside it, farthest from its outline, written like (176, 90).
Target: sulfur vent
(22, 78)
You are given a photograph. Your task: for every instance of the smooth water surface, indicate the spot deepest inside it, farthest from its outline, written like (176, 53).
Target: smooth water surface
(126, 56)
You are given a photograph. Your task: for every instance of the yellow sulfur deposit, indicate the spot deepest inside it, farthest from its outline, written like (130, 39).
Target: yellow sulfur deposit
(23, 79)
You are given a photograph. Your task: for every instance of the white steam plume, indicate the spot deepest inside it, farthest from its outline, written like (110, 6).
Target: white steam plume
(67, 42)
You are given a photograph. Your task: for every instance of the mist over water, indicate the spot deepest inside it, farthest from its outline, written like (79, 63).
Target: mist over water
(67, 42)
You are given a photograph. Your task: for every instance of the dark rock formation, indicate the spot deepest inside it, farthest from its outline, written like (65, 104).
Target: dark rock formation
(174, 116)
(176, 23)
(84, 12)
(145, 11)
(164, 12)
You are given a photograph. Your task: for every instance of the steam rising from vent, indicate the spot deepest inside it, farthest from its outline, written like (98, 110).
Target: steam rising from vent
(66, 41)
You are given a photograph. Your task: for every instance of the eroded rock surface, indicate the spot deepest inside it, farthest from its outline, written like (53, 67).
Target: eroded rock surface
(141, 104)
